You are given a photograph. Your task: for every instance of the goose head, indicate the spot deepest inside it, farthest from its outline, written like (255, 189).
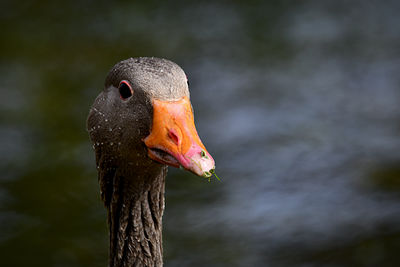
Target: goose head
(144, 117)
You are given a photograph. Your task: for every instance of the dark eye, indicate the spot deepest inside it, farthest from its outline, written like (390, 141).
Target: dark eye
(125, 90)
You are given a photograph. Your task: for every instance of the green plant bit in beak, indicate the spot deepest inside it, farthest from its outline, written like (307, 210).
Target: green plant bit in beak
(212, 171)
(207, 174)
(203, 154)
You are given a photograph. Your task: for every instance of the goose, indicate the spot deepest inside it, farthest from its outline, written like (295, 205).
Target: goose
(141, 123)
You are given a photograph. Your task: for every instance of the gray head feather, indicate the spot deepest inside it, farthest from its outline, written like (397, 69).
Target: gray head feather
(159, 78)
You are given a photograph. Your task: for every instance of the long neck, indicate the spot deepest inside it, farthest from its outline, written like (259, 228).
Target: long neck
(135, 208)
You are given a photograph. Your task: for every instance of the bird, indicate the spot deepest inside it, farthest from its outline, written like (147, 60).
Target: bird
(141, 123)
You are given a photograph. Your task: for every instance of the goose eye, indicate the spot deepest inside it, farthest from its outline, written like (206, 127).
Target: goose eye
(125, 90)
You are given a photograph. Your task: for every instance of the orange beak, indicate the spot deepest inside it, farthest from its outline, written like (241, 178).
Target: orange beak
(173, 139)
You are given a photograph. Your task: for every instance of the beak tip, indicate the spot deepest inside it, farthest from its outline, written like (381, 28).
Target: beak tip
(202, 166)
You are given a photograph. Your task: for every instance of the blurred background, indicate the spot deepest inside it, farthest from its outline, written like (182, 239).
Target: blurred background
(298, 102)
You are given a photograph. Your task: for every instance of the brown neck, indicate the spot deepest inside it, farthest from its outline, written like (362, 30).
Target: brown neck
(135, 207)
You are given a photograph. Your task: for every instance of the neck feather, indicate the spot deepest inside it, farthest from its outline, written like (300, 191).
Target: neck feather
(135, 205)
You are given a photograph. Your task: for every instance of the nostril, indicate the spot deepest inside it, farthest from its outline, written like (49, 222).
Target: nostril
(174, 136)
